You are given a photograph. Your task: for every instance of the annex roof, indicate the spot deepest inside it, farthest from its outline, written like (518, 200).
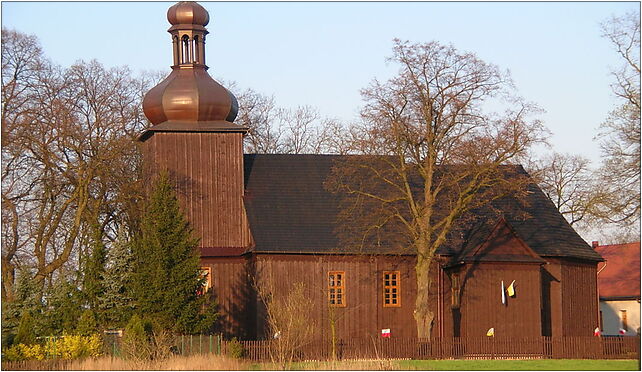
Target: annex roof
(290, 211)
(619, 275)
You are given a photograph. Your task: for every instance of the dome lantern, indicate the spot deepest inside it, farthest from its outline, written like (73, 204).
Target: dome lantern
(188, 20)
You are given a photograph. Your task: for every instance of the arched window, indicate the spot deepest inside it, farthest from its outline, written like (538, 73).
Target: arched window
(197, 50)
(176, 47)
(186, 49)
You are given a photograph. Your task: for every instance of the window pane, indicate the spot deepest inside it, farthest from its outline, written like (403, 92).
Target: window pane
(335, 287)
(391, 288)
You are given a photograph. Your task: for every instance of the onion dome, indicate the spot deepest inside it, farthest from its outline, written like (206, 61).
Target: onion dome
(187, 12)
(189, 99)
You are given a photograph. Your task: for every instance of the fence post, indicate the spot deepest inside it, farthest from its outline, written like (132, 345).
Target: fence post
(218, 344)
(200, 344)
(210, 343)
(183, 345)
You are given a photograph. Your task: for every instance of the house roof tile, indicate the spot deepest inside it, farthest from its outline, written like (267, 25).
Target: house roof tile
(619, 275)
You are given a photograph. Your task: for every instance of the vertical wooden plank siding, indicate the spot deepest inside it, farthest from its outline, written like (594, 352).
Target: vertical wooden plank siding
(481, 300)
(232, 287)
(364, 314)
(552, 298)
(207, 169)
(579, 299)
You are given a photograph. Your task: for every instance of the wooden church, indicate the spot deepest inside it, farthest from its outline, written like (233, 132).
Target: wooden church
(269, 217)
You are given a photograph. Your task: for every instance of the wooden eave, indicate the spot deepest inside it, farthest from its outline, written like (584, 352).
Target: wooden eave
(193, 126)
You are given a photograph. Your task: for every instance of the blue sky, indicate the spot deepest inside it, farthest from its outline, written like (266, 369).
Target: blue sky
(322, 53)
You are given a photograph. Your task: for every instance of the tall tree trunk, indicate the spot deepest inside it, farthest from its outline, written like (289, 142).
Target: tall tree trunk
(8, 279)
(423, 316)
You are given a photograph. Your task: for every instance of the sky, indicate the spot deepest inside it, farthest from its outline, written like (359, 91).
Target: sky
(322, 53)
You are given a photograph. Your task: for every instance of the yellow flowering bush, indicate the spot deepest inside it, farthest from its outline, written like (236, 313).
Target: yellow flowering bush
(65, 347)
(13, 353)
(34, 351)
(25, 352)
(74, 346)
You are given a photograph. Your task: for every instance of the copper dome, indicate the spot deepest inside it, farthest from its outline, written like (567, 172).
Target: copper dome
(189, 95)
(187, 12)
(189, 98)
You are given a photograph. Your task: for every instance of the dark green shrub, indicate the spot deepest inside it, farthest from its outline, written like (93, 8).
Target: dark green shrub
(87, 324)
(137, 342)
(235, 349)
(26, 334)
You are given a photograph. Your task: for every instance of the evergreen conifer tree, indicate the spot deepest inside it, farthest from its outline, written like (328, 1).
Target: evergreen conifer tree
(64, 306)
(87, 324)
(167, 277)
(94, 270)
(27, 300)
(115, 302)
(26, 330)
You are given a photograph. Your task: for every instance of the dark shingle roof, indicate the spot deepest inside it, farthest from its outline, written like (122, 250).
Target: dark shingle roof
(289, 210)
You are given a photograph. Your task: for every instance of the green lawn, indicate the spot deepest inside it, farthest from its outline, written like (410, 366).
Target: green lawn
(467, 365)
(521, 365)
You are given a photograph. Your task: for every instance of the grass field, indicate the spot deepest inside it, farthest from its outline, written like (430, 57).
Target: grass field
(521, 365)
(212, 362)
(467, 365)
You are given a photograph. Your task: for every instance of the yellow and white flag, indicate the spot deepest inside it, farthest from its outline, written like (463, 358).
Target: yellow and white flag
(511, 289)
(491, 332)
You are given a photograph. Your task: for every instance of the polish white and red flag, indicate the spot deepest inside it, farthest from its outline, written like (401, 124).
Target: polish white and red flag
(385, 332)
(622, 331)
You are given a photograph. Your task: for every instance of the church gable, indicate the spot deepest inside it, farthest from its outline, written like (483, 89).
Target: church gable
(502, 244)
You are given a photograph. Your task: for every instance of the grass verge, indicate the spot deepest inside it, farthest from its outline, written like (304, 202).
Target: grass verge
(521, 365)
(213, 362)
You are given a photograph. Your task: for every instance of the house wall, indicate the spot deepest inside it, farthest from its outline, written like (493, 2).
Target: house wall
(579, 298)
(611, 317)
(231, 279)
(481, 300)
(364, 314)
(569, 297)
(207, 170)
(243, 314)
(551, 275)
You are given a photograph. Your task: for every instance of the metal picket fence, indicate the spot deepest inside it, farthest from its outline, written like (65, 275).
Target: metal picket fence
(413, 348)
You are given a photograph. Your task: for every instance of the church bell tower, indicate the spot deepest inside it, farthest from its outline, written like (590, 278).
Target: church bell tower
(195, 140)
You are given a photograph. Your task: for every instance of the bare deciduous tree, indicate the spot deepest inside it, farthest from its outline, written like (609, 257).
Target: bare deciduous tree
(571, 185)
(276, 130)
(433, 153)
(620, 132)
(288, 320)
(69, 159)
(22, 59)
